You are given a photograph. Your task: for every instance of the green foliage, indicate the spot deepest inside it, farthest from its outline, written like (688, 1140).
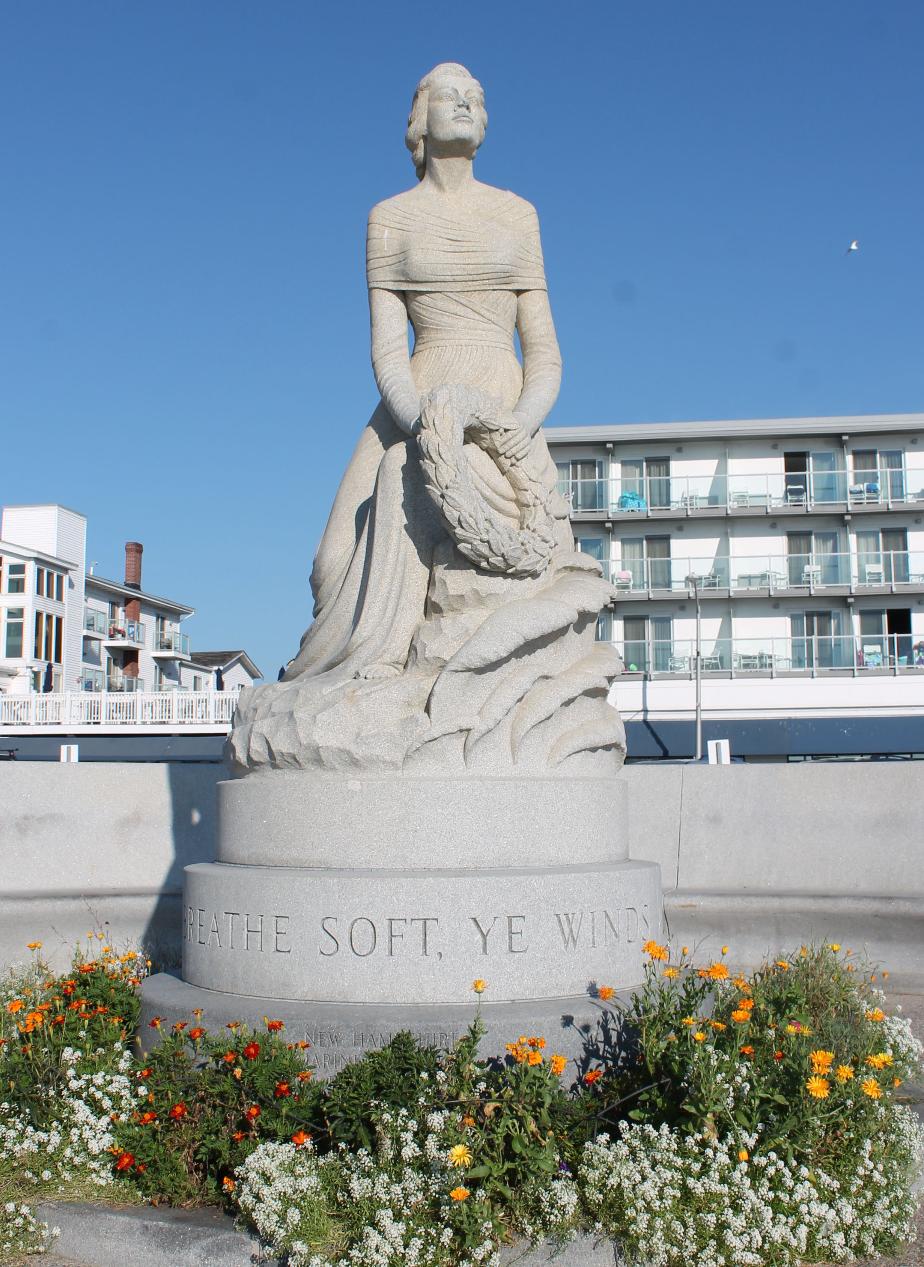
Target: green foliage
(381, 1079)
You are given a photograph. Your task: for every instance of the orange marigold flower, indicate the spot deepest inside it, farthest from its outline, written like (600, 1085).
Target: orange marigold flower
(592, 1076)
(34, 945)
(537, 1044)
(155, 1022)
(880, 1060)
(870, 1087)
(717, 972)
(251, 1051)
(699, 1036)
(228, 1184)
(196, 1033)
(671, 973)
(178, 1111)
(229, 1057)
(741, 1015)
(743, 1154)
(558, 1064)
(16, 1005)
(282, 1090)
(821, 1060)
(304, 1075)
(777, 1055)
(300, 1139)
(688, 1020)
(843, 1073)
(237, 1136)
(818, 1087)
(655, 951)
(460, 1194)
(274, 1026)
(179, 1026)
(252, 1113)
(147, 1118)
(896, 1082)
(875, 1014)
(605, 992)
(197, 1011)
(783, 965)
(125, 1161)
(747, 1050)
(718, 1026)
(479, 985)
(534, 1058)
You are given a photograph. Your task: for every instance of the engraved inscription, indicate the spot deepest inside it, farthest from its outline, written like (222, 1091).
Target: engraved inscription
(396, 935)
(591, 930)
(237, 930)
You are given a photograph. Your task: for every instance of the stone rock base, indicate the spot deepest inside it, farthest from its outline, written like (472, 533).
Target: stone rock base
(581, 1028)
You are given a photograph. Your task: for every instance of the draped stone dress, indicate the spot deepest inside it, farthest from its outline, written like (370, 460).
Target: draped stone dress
(416, 659)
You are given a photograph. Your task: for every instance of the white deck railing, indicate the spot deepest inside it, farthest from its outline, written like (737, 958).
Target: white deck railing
(114, 709)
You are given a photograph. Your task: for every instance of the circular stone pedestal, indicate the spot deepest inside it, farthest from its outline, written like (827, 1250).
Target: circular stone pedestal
(357, 907)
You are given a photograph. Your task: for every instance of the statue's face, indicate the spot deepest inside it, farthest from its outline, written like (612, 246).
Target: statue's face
(455, 112)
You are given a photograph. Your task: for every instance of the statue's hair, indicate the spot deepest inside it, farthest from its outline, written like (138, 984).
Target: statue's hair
(416, 136)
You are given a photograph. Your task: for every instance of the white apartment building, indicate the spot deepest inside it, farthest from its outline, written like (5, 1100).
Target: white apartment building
(800, 540)
(65, 631)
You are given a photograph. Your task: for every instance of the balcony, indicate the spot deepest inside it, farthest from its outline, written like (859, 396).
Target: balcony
(756, 576)
(125, 633)
(815, 655)
(821, 492)
(95, 623)
(89, 712)
(121, 684)
(171, 646)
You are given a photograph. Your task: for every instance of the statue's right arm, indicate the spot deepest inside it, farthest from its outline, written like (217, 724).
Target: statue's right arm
(391, 362)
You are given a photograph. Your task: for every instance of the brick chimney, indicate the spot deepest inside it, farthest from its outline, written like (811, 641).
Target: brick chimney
(133, 553)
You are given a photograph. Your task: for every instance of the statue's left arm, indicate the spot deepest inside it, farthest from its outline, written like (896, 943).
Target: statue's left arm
(541, 360)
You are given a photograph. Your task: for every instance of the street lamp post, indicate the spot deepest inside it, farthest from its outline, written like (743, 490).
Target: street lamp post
(693, 581)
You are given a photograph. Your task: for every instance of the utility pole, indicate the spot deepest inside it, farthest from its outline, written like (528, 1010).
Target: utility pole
(693, 581)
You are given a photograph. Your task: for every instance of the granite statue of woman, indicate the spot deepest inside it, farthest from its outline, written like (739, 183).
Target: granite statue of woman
(454, 621)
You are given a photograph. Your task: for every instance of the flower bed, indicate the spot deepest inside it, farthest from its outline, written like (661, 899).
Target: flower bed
(718, 1119)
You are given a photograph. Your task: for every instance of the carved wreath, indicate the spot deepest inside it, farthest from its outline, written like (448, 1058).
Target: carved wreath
(448, 415)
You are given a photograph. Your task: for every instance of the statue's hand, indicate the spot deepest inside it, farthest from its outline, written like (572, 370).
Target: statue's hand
(510, 440)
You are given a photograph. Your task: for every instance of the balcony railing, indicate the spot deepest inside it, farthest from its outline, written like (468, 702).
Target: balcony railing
(812, 654)
(126, 631)
(95, 622)
(807, 573)
(125, 685)
(176, 643)
(726, 494)
(84, 708)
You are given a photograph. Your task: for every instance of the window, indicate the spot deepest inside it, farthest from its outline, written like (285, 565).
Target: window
(594, 546)
(48, 637)
(16, 578)
(197, 682)
(648, 643)
(818, 640)
(649, 561)
(92, 680)
(586, 484)
(814, 558)
(13, 639)
(882, 556)
(648, 478)
(813, 476)
(878, 474)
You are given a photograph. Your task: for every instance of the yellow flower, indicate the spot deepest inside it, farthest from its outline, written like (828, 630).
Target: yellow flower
(724, 950)
(655, 951)
(699, 1036)
(460, 1194)
(460, 1155)
(684, 950)
(479, 986)
(34, 945)
(782, 965)
(843, 1073)
(718, 1026)
(870, 1087)
(743, 1154)
(881, 1060)
(818, 1087)
(671, 973)
(874, 1014)
(834, 945)
(821, 1061)
(688, 1020)
(558, 1064)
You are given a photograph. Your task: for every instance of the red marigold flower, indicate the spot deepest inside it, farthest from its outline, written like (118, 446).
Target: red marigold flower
(300, 1139)
(237, 1136)
(281, 1090)
(252, 1113)
(179, 1026)
(605, 992)
(125, 1161)
(155, 1022)
(274, 1026)
(196, 1033)
(145, 1073)
(304, 1075)
(229, 1057)
(147, 1118)
(592, 1076)
(178, 1111)
(228, 1184)
(251, 1051)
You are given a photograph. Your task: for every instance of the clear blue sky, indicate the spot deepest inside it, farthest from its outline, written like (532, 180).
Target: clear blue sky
(183, 320)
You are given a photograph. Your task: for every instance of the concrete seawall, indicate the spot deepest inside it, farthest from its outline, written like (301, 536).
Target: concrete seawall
(759, 856)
